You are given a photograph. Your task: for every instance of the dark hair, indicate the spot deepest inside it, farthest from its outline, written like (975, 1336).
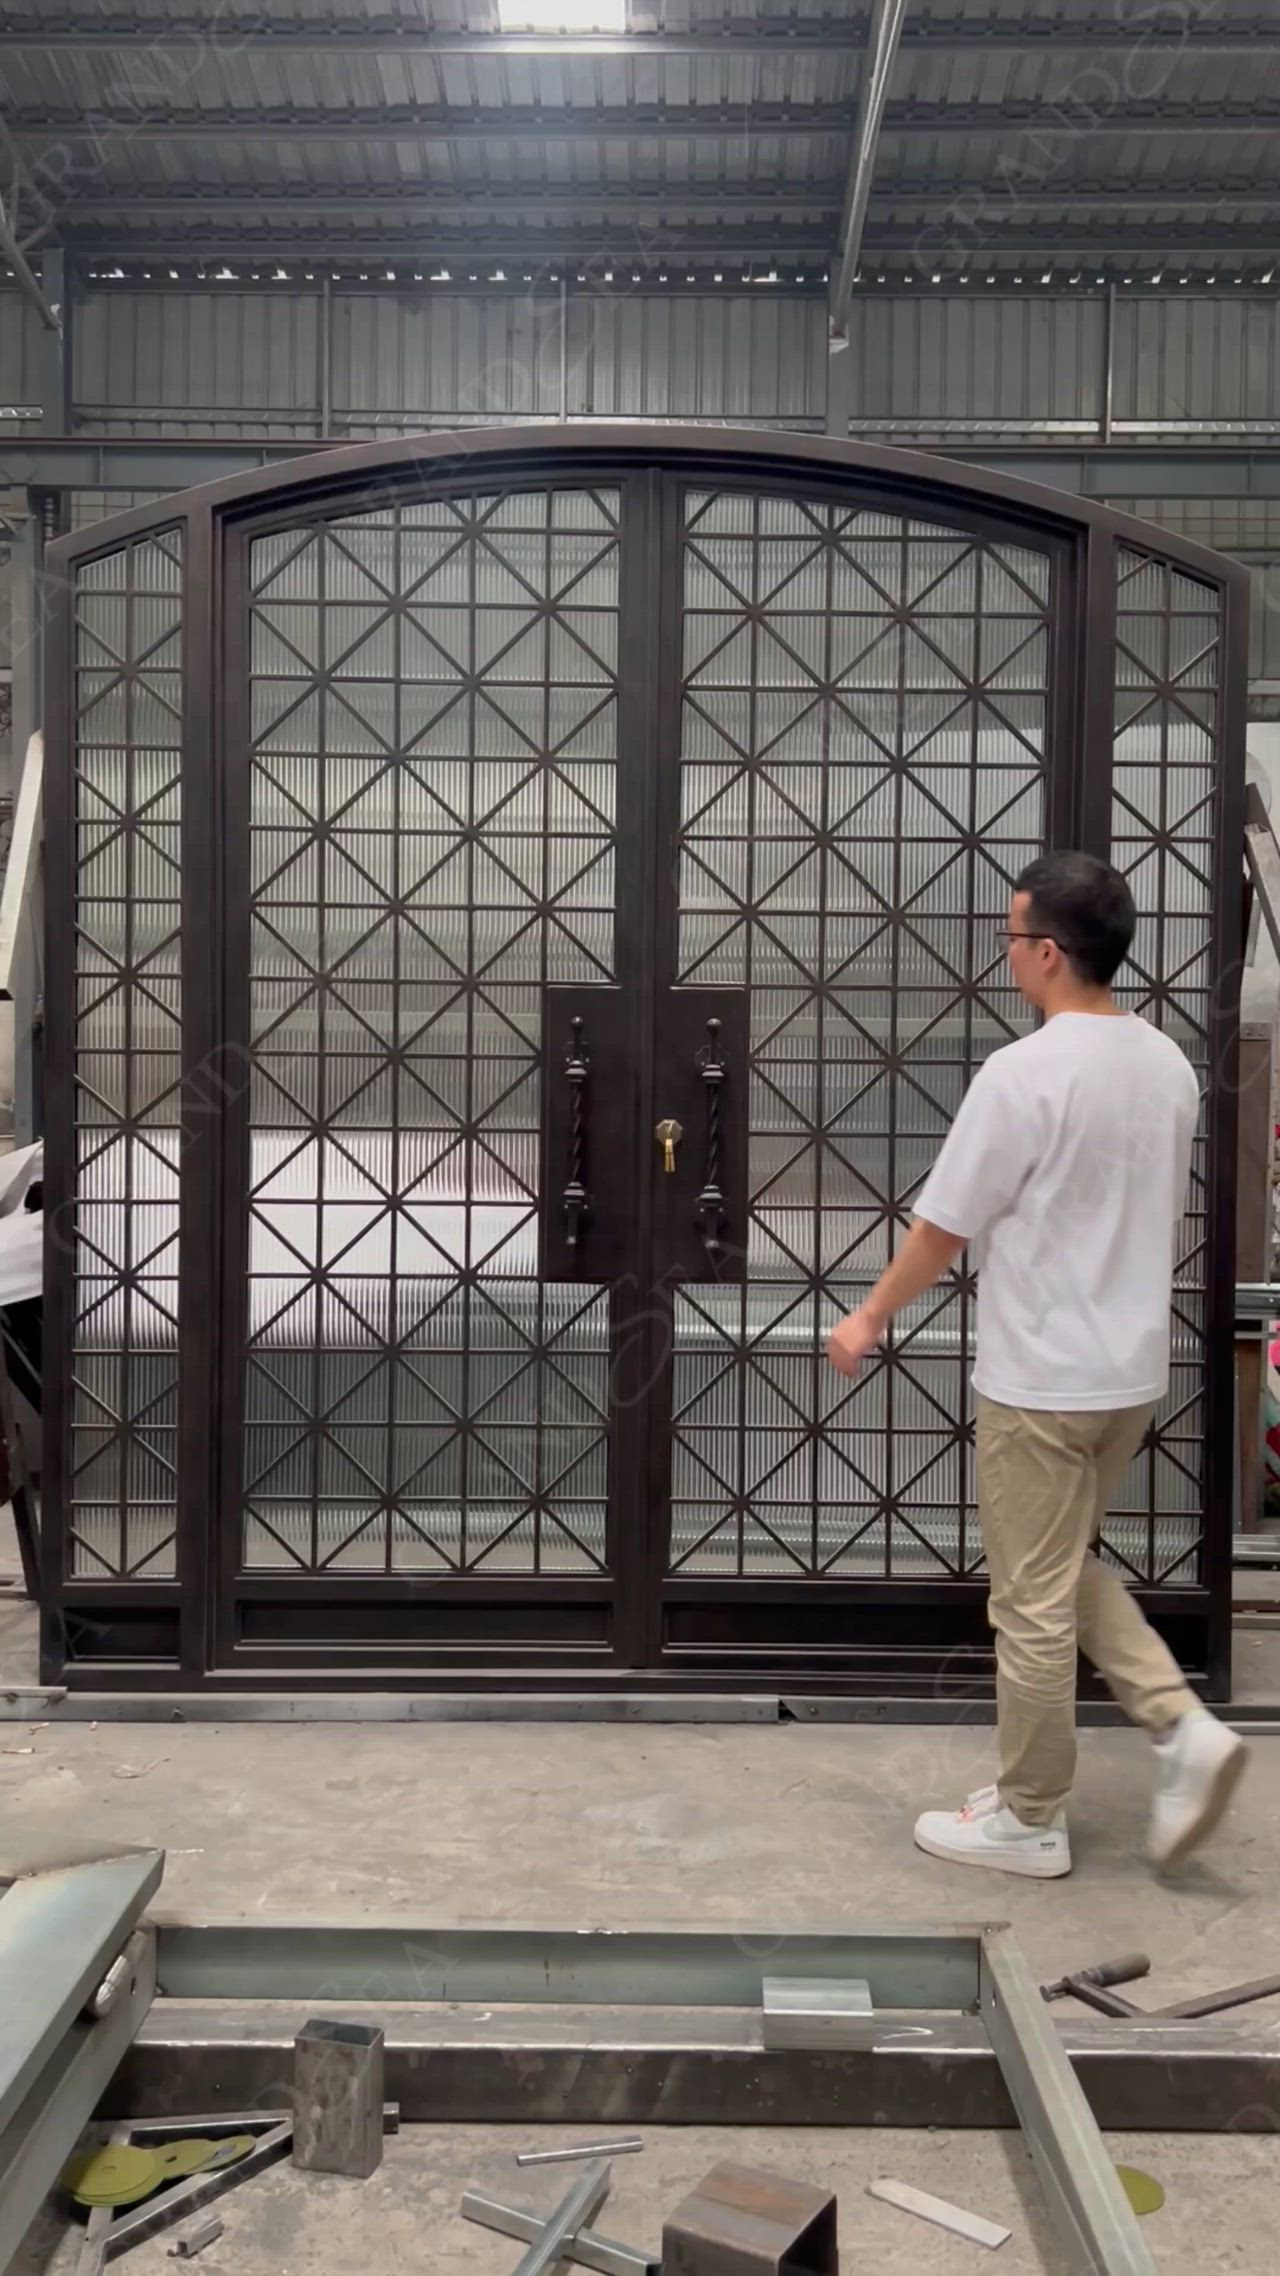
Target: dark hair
(1086, 907)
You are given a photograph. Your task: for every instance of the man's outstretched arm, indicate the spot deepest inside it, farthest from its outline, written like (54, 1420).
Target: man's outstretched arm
(925, 1255)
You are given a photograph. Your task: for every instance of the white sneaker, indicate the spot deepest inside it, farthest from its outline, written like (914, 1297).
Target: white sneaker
(985, 1833)
(1198, 1768)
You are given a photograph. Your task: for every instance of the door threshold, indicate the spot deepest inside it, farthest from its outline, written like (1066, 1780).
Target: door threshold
(21, 1704)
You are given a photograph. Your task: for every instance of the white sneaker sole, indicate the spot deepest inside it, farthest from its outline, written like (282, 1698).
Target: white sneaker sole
(1214, 1808)
(1006, 1861)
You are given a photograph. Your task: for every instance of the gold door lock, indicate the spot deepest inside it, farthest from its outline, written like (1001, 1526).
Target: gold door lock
(669, 1135)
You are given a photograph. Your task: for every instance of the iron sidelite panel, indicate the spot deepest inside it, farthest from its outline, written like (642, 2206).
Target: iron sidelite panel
(1165, 783)
(433, 816)
(128, 708)
(865, 701)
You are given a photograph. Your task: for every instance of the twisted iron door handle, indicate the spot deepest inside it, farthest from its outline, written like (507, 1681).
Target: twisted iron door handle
(577, 1202)
(713, 1071)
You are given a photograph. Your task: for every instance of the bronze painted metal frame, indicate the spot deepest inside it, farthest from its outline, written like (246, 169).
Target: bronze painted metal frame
(148, 735)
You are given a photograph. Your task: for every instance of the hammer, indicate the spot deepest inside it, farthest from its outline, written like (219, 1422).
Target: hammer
(1090, 1984)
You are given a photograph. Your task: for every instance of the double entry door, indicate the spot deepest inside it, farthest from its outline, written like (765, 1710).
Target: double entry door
(612, 880)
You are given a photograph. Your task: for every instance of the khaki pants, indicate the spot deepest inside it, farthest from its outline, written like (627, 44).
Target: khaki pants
(1044, 1483)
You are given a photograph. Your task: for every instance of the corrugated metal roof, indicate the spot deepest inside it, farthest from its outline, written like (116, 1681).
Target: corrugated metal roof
(1019, 156)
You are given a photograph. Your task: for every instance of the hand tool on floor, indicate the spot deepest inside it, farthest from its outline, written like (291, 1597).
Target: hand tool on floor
(1090, 1985)
(1093, 1985)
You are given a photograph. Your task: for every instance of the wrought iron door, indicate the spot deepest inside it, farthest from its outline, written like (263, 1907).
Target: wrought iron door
(864, 753)
(522, 919)
(429, 828)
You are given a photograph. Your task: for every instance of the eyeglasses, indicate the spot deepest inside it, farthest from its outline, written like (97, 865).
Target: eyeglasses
(1007, 933)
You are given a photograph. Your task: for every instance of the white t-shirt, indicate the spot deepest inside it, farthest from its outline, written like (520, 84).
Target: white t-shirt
(1067, 1171)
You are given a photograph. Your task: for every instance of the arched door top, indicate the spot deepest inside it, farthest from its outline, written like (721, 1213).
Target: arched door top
(560, 450)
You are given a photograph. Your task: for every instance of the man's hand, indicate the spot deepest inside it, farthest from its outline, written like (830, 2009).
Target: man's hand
(849, 1344)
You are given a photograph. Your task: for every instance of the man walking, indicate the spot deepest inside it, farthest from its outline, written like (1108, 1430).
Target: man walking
(1066, 1171)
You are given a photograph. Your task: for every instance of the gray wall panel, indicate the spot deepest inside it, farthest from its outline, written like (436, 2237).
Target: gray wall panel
(927, 356)
(398, 361)
(19, 352)
(197, 363)
(731, 357)
(920, 364)
(218, 361)
(1192, 357)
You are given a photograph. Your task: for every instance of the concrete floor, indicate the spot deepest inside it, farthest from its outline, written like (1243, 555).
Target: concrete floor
(606, 1825)
(700, 1824)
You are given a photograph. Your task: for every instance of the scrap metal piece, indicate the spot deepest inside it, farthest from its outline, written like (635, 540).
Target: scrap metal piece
(939, 2213)
(1092, 2217)
(803, 2011)
(588, 2248)
(338, 2098)
(231, 2122)
(585, 2198)
(744, 2221)
(187, 2247)
(623, 2148)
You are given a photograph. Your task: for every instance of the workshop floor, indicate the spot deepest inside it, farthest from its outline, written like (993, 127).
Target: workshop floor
(290, 2224)
(600, 1825)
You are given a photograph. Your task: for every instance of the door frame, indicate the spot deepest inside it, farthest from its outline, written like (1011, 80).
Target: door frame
(144, 1634)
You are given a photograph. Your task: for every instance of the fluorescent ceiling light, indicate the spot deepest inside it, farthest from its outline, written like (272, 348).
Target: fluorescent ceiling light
(562, 15)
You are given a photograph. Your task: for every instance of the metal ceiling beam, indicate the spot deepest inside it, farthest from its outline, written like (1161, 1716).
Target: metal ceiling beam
(873, 95)
(438, 124)
(931, 250)
(1106, 32)
(642, 248)
(731, 122)
(27, 281)
(634, 249)
(17, 196)
(464, 202)
(989, 203)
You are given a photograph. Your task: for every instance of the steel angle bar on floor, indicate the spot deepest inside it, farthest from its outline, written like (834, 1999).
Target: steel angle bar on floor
(46, 2126)
(1092, 2217)
(60, 1931)
(497, 1966)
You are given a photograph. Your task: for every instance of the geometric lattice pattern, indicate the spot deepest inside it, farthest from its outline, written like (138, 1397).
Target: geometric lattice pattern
(432, 816)
(863, 775)
(1164, 788)
(128, 1022)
